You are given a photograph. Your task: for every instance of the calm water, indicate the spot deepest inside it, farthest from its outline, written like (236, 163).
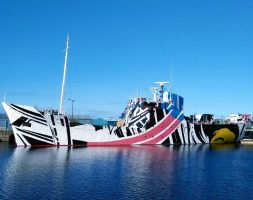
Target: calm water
(135, 172)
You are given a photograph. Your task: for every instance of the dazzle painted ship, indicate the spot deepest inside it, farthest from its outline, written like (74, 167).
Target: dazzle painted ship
(145, 121)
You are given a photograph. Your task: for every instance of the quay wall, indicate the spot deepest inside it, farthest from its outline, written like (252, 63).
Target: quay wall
(4, 135)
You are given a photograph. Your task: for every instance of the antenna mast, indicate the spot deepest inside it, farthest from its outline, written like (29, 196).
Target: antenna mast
(64, 75)
(161, 83)
(170, 81)
(154, 91)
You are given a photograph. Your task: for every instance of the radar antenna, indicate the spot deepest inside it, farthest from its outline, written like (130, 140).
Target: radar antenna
(161, 83)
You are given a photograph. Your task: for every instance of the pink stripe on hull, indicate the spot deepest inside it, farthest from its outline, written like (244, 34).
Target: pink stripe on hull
(164, 135)
(143, 136)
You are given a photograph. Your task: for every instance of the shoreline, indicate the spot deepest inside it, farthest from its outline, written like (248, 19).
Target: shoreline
(4, 135)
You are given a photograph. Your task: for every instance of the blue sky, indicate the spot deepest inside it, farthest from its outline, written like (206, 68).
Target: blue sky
(120, 46)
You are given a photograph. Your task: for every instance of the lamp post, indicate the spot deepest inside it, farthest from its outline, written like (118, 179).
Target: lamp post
(72, 106)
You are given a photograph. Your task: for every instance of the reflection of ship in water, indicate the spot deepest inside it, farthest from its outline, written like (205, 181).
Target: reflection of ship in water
(29, 165)
(143, 170)
(220, 147)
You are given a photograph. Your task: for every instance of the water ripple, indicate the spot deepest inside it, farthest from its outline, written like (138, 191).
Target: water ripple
(127, 172)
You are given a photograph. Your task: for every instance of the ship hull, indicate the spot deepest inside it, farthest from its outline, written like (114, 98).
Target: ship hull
(32, 128)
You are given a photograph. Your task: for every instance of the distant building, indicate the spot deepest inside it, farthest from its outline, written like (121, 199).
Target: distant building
(236, 118)
(246, 117)
(202, 118)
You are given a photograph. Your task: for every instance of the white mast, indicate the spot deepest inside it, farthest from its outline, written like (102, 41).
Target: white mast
(170, 82)
(64, 75)
(154, 91)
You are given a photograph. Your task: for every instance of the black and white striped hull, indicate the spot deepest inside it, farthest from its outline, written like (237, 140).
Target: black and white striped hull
(32, 128)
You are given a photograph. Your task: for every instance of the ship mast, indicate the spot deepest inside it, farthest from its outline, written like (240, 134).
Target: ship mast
(170, 82)
(64, 75)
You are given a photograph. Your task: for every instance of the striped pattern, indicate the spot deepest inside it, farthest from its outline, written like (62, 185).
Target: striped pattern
(146, 126)
(151, 136)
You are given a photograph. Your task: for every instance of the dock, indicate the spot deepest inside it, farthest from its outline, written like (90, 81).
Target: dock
(247, 141)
